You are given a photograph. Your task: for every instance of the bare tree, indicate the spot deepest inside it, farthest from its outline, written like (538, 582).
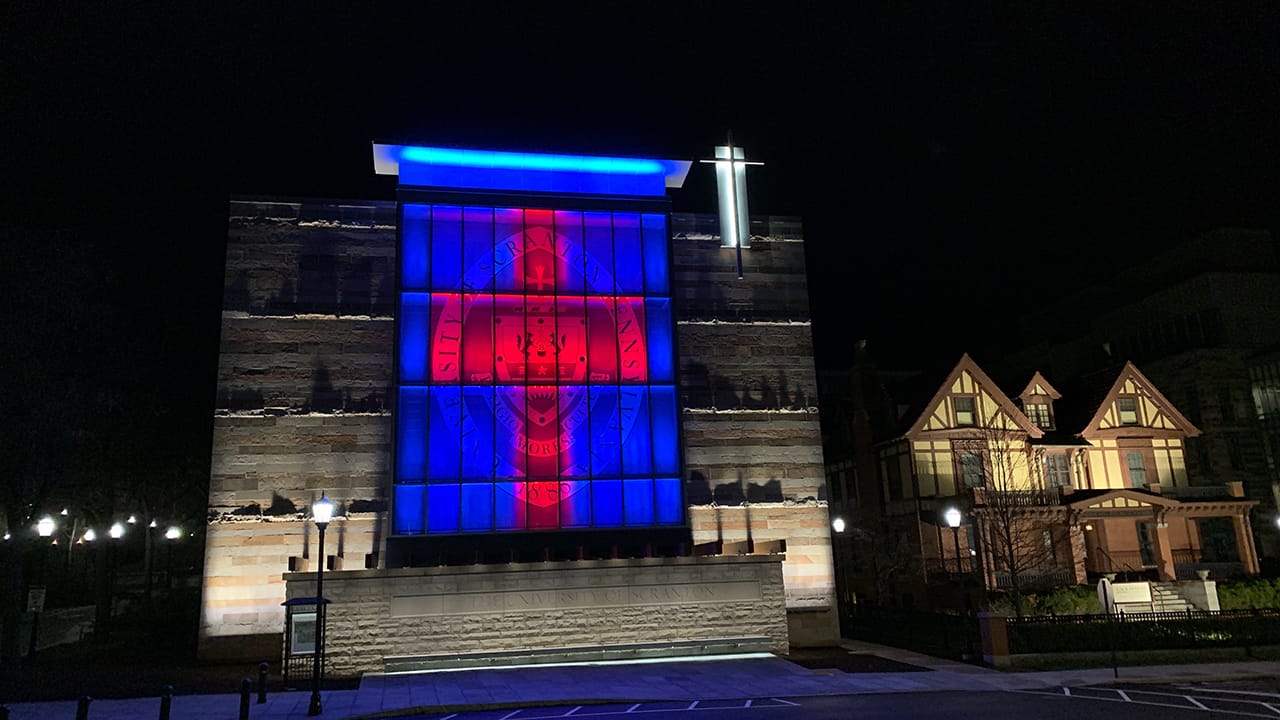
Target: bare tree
(884, 554)
(1014, 516)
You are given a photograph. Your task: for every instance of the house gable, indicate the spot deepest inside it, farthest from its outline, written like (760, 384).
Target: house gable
(1039, 386)
(1134, 406)
(1121, 499)
(989, 408)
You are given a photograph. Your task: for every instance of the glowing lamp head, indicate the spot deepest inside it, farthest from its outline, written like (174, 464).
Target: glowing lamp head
(45, 526)
(117, 531)
(90, 535)
(173, 533)
(322, 510)
(838, 524)
(952, 516)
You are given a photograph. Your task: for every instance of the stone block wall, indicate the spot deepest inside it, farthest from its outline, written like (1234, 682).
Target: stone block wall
(304, 381)
(752, 435)
(304, 374)
(408, 612)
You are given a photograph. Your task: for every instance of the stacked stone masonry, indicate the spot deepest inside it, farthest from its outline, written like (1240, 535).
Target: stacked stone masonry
(305, 376)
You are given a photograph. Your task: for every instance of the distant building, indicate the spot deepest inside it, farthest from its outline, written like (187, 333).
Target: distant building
(552, 413)
(1202, 319)
(963, 487)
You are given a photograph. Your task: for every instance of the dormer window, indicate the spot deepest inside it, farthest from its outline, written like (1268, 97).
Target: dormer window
(1128, 407)
(1039, 413)
(966, 414)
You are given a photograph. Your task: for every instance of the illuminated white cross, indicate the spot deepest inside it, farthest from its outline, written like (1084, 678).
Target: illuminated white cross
(731, 181)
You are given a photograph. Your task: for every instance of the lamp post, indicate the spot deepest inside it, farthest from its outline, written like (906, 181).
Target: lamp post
(171, 536)
(36, 593)
(952, 516)
(321, 512)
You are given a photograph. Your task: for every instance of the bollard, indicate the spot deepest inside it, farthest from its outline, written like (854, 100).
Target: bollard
(82, 708)
(262, 683)
(4, 712)
(166, 702)
(245, 686)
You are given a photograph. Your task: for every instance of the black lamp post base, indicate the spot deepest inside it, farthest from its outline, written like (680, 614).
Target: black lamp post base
(314, 707)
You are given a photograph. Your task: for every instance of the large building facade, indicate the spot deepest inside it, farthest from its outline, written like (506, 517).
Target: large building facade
(523, 379)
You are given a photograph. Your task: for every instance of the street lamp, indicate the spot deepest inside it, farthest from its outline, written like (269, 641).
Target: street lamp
(321, 512)
(953, 518)
(171, 535)
(36, 593)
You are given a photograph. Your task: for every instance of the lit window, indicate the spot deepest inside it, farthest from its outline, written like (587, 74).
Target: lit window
(1038, 413)
(1057, 470)
(971, 471)
(965, 414)
(1137, 470)
(1128, 410)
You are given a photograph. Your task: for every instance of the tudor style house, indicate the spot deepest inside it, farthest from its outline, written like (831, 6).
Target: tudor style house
(962, 487)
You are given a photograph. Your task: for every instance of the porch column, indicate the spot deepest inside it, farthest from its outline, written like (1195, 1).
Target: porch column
(1076, 550)
(1244, 544)
(1164, 553)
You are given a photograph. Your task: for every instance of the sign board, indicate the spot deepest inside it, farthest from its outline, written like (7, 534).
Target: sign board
(303, 641)
(35, 599)
(1135, 592)
(1105, 598)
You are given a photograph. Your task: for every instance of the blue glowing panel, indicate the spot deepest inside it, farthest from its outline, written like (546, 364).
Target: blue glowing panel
(415, 319)
(669, 505)
(411, 433)
(606, 503)
(477, 249)
(415, 255)
(570, 255)
(509, 437)
(575, 504)
(654, 231)
(446, 248)
(598, 239)
(661, 346)
(664, 417)
(606, 431)
(628, 263)
(443, 508)
(575, 431)
(477, 433)
(444, 461)
(410, 508)
(508, 505)
(637, 502)
(637, 442)
(477, 507)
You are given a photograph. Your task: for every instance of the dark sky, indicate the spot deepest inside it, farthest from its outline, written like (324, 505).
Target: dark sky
(960, 158)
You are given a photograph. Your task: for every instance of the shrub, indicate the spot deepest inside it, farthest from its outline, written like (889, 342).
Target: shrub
(1249, 594)
(1074, 600)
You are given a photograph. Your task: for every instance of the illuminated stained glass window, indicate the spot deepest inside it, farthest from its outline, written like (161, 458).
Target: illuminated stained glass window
(536, 372)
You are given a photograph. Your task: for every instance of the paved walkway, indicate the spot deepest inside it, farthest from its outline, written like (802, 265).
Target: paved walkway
(752, 676)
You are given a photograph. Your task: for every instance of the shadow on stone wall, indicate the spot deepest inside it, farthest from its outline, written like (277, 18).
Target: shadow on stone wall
(328, 280)
(703, 389)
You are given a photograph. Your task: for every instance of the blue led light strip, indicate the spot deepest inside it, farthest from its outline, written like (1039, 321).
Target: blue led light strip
(532, 161)
(462, 168)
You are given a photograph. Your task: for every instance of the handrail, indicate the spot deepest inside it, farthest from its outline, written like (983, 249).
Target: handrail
(1111, 564)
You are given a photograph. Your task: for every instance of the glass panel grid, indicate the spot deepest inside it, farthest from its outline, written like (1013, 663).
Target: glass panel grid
(537, 372)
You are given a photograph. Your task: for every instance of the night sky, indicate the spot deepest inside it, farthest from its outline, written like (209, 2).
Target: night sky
(961, 159)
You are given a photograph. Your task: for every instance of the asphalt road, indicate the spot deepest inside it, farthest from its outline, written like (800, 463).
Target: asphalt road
(1088, 703)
